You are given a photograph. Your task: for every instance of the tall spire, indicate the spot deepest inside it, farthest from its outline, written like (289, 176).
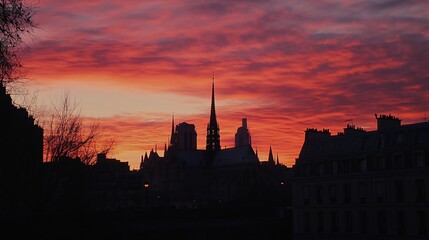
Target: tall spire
(278, 162)
(213, 138)
(270, 157)
(172, 131)
(212, 108)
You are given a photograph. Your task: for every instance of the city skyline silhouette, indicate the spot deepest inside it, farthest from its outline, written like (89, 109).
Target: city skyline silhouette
(214, 120)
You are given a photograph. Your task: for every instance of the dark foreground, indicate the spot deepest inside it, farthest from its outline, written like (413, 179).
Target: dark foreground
(214, 223)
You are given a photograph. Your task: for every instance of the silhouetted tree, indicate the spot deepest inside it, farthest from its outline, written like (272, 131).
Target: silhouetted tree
(66, 135)
(15, 21)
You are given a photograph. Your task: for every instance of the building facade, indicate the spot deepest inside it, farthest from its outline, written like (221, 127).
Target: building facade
(363, 185)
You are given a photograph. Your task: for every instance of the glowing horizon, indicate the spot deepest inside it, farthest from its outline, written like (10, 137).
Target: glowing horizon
(285, 66)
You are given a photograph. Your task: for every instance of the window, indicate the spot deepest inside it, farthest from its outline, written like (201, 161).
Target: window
(398, 161)
(400, 222)
(307, 222)
(305, 195)
(363, 221)
(417, 138)
(362, 164)
(332, 193)
(327, 168)
(334, 222)
(422, 222)
(381, 222)
(380, 141)
(400, 138)
(379, 163)
(419, 159)
(420, 190)
(346, 166)
(320, 222)
(305, 170)
(399, 191)
(319, 192)
(362, 192)
(349, 223)
(346, 193)
(320, 169)
(379, 191)
(334, 167)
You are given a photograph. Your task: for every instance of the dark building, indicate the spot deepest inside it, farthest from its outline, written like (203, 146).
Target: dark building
(21, 155)
(242, 137)
(184, 137)
(363, 184)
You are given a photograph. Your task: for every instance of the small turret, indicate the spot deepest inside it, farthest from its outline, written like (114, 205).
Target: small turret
(270, 157)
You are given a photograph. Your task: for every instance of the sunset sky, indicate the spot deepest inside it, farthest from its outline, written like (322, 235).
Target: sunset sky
(284, 65)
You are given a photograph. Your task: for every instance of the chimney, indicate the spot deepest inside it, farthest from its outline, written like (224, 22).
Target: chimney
(313, 133)
(387, 122)
(244, 123)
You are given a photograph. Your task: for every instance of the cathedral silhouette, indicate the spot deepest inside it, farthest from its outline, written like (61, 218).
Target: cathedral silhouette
(200, 177)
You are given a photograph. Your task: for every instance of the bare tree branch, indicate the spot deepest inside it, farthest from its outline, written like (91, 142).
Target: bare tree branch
(15, 21)
(67, 136)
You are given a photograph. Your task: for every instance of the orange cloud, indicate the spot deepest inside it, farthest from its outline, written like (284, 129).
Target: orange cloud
(284, 65)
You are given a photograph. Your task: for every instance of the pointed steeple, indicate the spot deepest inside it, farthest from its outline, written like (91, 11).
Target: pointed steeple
(270, 157)
(212, 107)
(213, 138)
(144, 160)
(277, 162)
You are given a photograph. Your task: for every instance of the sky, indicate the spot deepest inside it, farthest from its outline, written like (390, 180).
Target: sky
(284, 65)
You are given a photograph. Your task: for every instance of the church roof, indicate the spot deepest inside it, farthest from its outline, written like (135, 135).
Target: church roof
(233, 156)
(191, 157)
(224, 157)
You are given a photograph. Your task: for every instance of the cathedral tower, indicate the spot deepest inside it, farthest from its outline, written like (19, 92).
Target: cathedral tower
(213, 137)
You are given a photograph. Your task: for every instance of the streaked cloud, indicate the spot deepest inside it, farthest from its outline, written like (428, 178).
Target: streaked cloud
(286, 65)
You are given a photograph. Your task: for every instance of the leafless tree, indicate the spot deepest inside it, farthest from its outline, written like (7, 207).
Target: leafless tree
(16, 20)
(66, 135)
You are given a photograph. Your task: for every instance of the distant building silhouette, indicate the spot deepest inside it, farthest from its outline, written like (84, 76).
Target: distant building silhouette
(363, 185)
(242, 137)
(111, 164)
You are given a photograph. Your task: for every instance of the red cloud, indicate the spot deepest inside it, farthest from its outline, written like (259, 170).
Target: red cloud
(285, 66)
